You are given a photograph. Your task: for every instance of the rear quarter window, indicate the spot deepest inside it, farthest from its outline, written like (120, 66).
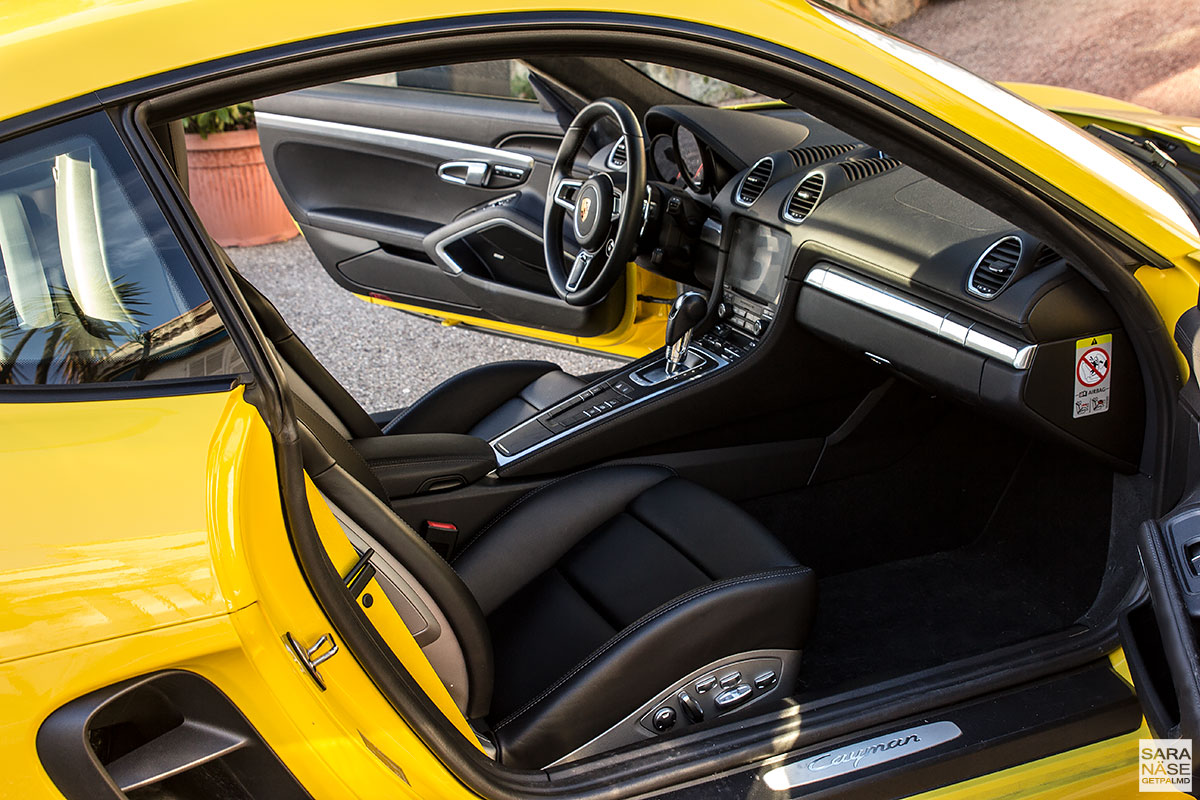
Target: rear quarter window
(94, 287)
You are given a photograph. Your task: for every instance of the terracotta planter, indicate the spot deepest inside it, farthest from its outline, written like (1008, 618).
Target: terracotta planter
(232, 191)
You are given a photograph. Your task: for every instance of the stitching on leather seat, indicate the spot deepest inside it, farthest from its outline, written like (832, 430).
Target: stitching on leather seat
(543, 487)
(674, 604)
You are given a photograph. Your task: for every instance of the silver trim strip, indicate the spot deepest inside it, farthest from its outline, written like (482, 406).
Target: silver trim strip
(504, 460)
(439, 149)
(945, 325)
(861, 755)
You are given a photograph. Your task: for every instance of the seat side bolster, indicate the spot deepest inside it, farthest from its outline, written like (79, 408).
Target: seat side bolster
(766, 610)
(530, 536)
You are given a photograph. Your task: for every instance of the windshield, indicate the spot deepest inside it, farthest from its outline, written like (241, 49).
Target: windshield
(699, 88)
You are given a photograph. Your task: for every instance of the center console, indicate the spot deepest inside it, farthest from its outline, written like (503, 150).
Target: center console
(745, 311)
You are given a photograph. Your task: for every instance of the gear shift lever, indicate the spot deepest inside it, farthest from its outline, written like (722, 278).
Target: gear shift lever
(686, 313)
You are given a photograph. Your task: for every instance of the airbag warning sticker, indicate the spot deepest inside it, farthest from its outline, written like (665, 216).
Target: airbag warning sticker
(1093, 375)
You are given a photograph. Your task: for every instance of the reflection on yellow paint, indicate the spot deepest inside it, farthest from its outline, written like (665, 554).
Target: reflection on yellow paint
(105, 520)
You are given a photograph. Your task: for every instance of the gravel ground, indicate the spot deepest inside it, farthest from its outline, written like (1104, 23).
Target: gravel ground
(384, 357)
(1136, 50)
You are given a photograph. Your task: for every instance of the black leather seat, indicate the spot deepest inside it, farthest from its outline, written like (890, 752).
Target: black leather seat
(585, 605)
(483, 402)
(613, 585)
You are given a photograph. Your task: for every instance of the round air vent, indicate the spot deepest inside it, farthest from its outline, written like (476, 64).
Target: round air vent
(802, 201)
(995, 268)
(755, 182)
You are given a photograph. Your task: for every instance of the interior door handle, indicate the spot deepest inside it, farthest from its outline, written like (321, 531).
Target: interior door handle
(464, 173)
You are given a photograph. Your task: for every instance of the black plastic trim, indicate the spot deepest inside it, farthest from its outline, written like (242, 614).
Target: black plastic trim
(116, 390)
(176, 721)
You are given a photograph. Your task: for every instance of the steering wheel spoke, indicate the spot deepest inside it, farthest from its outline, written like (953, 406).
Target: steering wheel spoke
(579, 269)
(565, 192)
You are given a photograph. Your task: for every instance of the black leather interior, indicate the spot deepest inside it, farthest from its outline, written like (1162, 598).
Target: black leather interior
(605, 587)
(481, 402)
(487, 399)
(585, 598)
(588, 595)
(423, 462)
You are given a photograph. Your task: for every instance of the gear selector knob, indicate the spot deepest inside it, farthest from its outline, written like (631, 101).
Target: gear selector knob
(686, 313)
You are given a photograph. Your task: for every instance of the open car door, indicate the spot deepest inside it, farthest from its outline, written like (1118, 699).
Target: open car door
(426, 189)
(1161, 635)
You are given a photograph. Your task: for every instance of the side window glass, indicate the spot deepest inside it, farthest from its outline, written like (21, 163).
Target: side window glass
(93, 285)
(506, 79)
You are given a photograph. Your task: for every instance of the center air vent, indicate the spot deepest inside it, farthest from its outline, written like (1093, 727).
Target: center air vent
(805, 198)
(755, 182)
(857, 169)
(995, 268)
(618, 155)
(815, 154)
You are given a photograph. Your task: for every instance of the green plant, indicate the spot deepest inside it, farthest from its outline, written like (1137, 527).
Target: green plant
(230, 118)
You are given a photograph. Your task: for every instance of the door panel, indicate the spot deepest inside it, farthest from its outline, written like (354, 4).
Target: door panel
(427, 198)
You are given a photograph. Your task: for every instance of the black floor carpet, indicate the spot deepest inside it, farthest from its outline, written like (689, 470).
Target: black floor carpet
(960, 547)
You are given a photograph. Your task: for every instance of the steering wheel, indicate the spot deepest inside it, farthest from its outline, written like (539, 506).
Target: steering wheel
(605, 218)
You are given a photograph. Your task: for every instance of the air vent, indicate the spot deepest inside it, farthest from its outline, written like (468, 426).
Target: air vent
(167, 735)
(1046, 257)
(857, 169)
(755, 182)
(807, 156)
(618, 155)
(805, 198)
(995, 268)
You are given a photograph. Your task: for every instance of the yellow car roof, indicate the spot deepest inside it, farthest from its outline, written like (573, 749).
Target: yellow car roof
(62, 49)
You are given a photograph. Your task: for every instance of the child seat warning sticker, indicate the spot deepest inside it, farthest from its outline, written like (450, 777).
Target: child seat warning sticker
(1093, 375)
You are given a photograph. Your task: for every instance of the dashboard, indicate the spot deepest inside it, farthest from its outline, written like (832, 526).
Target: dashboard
(805, 224)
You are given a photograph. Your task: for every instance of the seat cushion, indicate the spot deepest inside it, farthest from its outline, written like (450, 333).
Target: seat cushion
(604, 588)
(486, 400)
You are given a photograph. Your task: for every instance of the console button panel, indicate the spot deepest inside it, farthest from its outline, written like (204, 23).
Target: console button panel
(737, 334)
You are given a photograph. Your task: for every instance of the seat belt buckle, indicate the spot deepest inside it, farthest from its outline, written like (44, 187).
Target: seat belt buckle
(442, 537)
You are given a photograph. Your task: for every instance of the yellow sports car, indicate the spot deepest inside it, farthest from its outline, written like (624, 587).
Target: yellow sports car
(894, 494)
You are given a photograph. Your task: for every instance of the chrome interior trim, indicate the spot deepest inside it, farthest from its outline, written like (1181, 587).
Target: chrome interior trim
(439, 149)
(861, 755)
(945, 325)
(503, 460)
